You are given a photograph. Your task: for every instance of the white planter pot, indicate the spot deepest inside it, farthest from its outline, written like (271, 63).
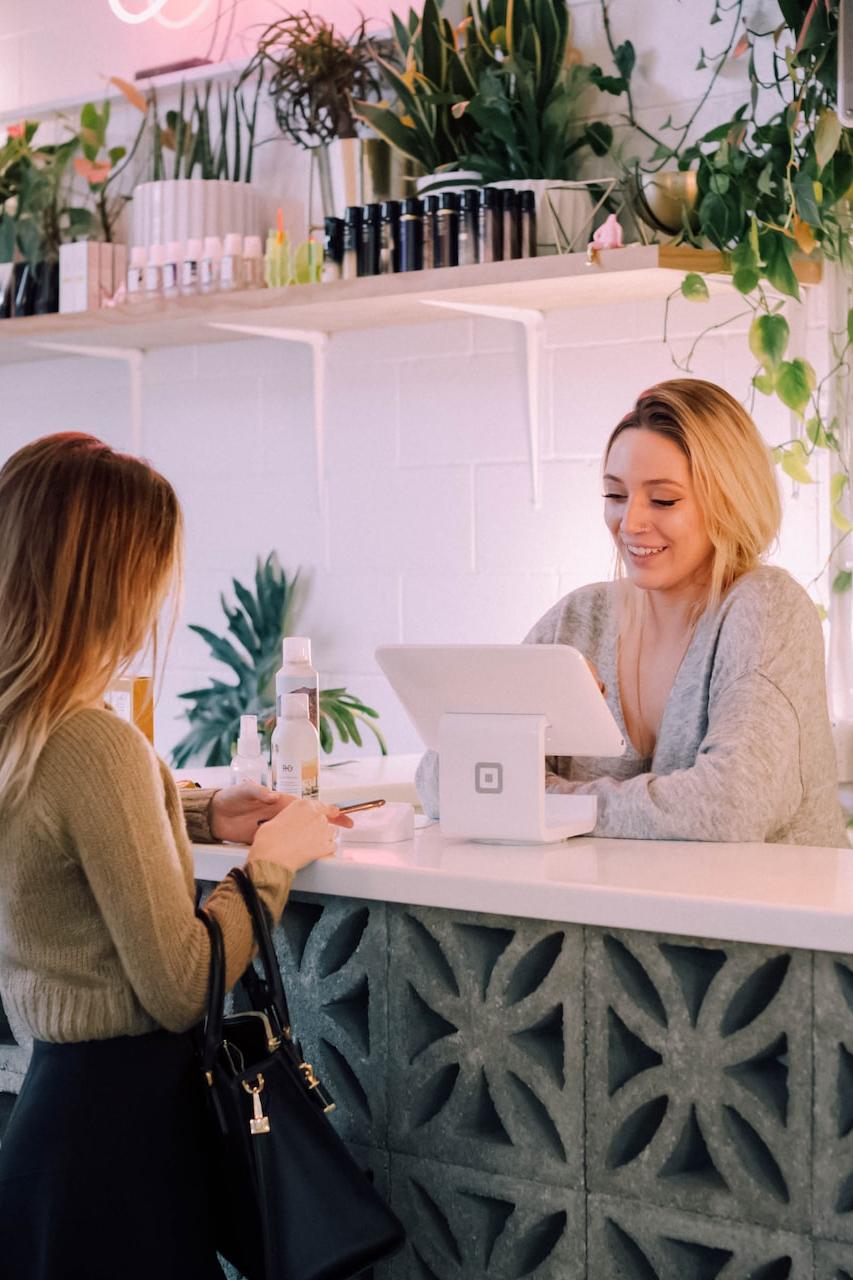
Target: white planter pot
(192, 208)
(432, 184)
(564, 212)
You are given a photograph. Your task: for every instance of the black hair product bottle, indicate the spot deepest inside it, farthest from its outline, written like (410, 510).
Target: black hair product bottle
(411, 235)
(527, 216)
(447, 230)
(490, 238)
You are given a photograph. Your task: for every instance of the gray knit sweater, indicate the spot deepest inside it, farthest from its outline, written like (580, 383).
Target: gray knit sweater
(744, 751)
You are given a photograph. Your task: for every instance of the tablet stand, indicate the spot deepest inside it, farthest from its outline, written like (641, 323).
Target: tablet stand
(492, 782)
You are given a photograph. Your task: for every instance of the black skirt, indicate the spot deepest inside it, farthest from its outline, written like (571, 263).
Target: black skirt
(104, 1167)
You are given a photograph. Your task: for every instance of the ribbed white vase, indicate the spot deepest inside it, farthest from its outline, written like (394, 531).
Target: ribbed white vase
(192, 208)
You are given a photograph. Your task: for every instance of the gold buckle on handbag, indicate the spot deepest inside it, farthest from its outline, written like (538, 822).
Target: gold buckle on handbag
(259, 1122)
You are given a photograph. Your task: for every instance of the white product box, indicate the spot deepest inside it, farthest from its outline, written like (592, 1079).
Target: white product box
(79, 276)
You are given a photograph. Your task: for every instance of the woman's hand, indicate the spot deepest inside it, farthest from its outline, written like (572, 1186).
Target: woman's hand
(298, 835)
(237, 812)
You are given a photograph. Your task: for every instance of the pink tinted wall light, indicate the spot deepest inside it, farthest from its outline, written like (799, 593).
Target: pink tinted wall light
(155, 9)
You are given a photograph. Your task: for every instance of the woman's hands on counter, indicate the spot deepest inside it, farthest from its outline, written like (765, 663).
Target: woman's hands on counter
(300, 833)
(237, 812)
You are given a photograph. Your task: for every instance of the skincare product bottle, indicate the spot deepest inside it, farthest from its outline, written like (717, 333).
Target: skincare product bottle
(447, 234)
(490, 248)
(512, 224)
(172, 269)
(136, 274)
(333, 249)
(211, 258)
(469, 212)
(253, 263)
(371, 228)
(527, 214)
(154, 273)
(231, 266)
(430, 207)
(295, 749)
(190, 267)
(296, 675)
(411, 235)
(248, 765)
(352, 243)
(389, 237)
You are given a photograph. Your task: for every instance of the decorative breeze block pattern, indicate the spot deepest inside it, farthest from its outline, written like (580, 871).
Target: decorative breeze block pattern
(465, 1224)
(486, 1036)
(833, 1057)
(699, 1075)
(333, 957)
(636, 1242)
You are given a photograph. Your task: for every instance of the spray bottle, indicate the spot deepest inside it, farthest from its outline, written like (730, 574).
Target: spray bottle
(295, 749)
(296, 675)
(248, 765)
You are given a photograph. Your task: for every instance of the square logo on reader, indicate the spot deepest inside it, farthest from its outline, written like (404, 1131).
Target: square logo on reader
(488, 778)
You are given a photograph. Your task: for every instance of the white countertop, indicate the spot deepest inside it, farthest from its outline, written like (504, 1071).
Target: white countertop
(344, 781)
(788, 895)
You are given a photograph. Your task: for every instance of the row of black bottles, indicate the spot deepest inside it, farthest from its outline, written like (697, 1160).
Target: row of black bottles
(488, 224)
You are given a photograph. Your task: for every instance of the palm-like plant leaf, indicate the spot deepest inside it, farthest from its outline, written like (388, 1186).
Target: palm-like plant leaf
(251, 650)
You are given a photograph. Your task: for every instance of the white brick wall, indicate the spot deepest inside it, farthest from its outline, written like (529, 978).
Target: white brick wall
(428, 532)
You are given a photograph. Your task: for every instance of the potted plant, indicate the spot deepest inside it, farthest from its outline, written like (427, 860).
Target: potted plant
(314, 75)
(201, 163)
(37, 215)
(496, 97)
(251, 650)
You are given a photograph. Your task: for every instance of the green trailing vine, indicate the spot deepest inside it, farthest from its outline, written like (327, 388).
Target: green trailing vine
(774, 188)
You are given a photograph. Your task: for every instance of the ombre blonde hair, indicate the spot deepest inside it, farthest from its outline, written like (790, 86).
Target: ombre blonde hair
(90, 549)
(733, 474)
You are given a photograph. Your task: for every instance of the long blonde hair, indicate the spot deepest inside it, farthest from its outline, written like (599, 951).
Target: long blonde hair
(90, 548)
(731, 468)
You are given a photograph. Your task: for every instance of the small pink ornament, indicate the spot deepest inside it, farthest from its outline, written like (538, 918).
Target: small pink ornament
(608, 235)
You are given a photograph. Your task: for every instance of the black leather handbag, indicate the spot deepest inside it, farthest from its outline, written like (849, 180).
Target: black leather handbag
(291, 1203)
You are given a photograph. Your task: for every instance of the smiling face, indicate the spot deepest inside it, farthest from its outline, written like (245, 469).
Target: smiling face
(652, 513)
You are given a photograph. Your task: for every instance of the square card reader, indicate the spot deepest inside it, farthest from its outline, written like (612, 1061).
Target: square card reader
(494, 712)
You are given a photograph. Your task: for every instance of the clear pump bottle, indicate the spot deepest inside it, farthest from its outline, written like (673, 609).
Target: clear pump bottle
(248, 765)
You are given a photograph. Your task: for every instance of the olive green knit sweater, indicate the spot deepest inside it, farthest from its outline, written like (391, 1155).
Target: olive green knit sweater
(98, 933)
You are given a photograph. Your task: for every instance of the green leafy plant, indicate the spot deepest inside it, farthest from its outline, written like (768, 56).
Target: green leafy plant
(251, 650)
(774, 194)
(207, 137)
(314, 75)
(101, 166)
(498, 95)
(36, 212)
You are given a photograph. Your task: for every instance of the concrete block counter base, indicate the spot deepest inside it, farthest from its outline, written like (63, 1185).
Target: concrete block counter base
(562, 1099)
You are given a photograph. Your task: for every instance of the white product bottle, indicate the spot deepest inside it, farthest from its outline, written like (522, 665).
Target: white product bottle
(295, 749)
(253, 263)
(231, 269)
(136, 274)
(154, 273)
(248, 765)
(210, 261)
(172, 269)
(190, 267)
(296, 675)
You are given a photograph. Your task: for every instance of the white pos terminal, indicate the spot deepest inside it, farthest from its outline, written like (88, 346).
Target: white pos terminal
(493, 712)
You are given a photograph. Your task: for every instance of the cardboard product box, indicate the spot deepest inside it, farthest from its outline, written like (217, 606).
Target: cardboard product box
(79, 276)
(132, 698)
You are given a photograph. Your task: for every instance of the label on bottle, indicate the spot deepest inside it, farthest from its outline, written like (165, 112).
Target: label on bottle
(296, 777)
(297, 684)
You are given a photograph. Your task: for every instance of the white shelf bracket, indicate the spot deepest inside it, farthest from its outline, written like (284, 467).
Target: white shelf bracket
(132, 357)
(534, 325)
(318, 341)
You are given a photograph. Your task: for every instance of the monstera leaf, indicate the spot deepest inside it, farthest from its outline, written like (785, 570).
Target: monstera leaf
(251, 650)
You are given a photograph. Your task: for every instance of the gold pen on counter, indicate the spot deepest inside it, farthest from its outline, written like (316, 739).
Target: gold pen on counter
(346, 808)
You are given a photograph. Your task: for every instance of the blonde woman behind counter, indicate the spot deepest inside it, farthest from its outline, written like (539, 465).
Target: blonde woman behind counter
(712, 662)
(104, 1168)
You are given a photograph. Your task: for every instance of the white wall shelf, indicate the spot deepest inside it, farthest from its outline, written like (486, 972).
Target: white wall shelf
(518, 292)
(535, 284)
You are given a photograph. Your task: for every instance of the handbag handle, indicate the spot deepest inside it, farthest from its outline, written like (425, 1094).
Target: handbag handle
(273, 993)
(215, 992)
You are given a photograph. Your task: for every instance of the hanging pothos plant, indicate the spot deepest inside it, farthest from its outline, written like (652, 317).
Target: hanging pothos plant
(257, 623)
(772, 189)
